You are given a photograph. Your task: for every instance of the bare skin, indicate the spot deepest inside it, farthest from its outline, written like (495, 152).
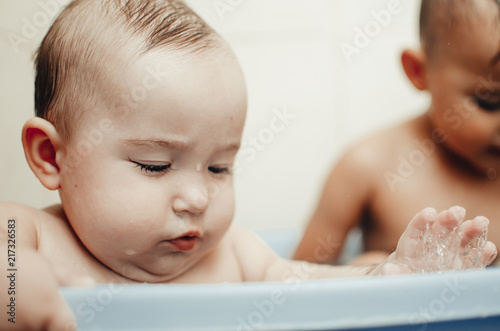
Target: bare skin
(447, 156)
(153, 200)
(385, 211)
(52, 255)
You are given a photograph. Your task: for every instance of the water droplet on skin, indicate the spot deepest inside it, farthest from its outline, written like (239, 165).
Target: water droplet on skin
(130, 252)
(441, 252)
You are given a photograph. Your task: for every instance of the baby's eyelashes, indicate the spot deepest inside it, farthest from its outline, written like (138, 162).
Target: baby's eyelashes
(220, 170)
(153, 168)
(487, 104)
(150, 168)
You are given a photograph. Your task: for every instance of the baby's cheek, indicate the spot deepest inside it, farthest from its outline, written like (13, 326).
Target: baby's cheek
(226, 218)
(220, 214)
(227, 207)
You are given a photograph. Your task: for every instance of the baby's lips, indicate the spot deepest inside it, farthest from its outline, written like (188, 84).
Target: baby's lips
(185, 243)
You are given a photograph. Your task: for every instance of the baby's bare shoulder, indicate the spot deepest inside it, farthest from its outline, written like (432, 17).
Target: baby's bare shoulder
(252, 253)
(27, 214)
(18, 211)
(242, 239)
(24, 219)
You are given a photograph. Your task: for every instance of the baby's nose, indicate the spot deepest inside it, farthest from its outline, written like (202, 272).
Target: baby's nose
(191, 198)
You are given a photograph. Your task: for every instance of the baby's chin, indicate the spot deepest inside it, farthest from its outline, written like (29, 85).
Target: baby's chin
(155, 273)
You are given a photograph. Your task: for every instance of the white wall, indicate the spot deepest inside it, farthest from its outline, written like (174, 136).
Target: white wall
(291, 54)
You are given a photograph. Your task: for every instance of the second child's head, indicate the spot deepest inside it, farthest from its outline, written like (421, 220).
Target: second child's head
(458, 63)
(140, 109)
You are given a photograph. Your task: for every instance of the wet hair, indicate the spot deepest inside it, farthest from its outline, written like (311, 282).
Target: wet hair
(440, 18)
(88, 34)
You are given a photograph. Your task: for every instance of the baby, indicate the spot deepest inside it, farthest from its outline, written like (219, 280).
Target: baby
(449, 155)
(140, 109)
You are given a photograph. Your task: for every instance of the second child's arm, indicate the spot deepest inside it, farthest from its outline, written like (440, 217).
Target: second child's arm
(345, 196)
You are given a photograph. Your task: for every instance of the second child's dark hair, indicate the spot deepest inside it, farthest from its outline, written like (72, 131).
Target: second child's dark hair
(440, 18)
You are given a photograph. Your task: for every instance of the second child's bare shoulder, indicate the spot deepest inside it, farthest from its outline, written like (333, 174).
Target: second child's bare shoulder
(380, 149)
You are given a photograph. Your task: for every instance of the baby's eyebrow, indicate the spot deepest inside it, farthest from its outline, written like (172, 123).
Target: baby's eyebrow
(170, 144)
(173, 144)
(235, 146)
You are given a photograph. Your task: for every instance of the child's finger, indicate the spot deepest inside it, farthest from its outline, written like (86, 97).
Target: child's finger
(490, 253)
(447, 221)
(411, 240)
(426, 218)
(473, 229)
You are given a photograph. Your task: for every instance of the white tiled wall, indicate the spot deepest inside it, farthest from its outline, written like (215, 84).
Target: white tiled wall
(290, 51)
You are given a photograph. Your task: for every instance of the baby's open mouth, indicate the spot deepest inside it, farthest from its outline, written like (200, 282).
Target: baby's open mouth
(185, 242)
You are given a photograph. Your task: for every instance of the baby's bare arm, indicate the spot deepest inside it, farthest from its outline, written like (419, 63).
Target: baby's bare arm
(30, 290)
(431, 242)
(344, 197)
(259, 262)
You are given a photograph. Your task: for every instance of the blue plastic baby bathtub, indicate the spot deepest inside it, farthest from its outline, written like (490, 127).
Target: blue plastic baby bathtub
(467, 300)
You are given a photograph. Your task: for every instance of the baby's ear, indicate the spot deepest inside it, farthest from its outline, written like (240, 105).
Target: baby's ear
(414, 65)
(41, 144)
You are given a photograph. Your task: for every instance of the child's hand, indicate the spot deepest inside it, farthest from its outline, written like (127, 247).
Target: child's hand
(441, 242)
(38, 304)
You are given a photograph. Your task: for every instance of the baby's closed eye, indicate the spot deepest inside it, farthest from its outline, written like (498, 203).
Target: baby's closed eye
(220, 170)
(488, 104)
(153, 168)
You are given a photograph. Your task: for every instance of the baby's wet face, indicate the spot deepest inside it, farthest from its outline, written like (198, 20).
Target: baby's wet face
(156, 194)
(464, 82)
